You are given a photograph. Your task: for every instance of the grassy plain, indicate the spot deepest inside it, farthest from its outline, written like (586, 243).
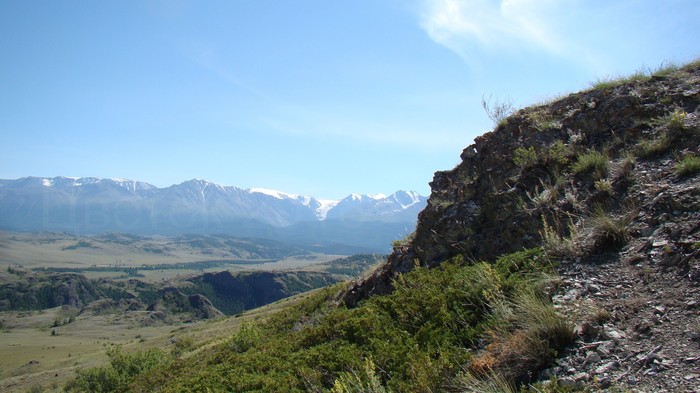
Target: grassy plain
(151, 258)
(35, 354)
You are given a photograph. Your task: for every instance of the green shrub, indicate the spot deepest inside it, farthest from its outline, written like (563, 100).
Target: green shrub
(182, 345)
(525, 158)
(416, 338)
(688, 166)
(674, 121)
(559, 153)
(592, 162)
(120, 371)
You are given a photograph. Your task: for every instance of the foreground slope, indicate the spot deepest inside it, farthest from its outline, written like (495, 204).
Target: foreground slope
(584, 212)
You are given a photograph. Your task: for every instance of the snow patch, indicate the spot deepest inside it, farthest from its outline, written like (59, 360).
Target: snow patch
(325, 207)
(273, 193)
(47, 182)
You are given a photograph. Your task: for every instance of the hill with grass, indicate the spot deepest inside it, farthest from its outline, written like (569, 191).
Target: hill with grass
(560, 255)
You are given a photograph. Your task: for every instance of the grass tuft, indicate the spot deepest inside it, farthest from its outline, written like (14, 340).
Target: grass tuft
(558, 246)
(688, 166)
(592, 162)
(610, 232)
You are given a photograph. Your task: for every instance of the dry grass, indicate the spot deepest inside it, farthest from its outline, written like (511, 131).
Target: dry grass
(608, 231)
(557, 245)
(528, 332)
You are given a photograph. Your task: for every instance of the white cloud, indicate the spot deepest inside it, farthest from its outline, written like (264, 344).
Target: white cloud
(513, 25)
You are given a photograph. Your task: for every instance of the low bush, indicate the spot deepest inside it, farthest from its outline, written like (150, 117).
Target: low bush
(417, 338)
(525, 158)
(121, 370)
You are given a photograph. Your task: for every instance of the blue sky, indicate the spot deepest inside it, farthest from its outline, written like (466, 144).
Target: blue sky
(321, 98)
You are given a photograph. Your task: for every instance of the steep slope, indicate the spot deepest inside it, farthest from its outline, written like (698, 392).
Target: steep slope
(607, 182)
(532, 170)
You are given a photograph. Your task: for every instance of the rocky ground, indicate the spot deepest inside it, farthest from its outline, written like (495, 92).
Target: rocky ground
(639, 308)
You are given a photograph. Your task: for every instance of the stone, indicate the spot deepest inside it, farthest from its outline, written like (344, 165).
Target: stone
(607, 367)
(593, 358)
(581, 377)
(612, 334)
(567, 382)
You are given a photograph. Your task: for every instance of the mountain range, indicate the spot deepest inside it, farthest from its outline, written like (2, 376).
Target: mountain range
(91, 205)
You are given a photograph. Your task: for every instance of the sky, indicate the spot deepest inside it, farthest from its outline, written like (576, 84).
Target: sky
(312, 97)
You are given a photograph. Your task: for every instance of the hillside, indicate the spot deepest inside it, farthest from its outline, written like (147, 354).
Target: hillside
(559, 255)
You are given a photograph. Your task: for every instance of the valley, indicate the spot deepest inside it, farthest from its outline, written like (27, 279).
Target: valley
(65, 299)
(152, 258)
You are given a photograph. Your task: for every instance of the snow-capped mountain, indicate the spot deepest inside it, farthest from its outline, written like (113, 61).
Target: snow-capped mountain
(96, 205)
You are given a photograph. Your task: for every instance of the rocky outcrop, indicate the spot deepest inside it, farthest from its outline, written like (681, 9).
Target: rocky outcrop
(494, 201)
(605, 180)
(33, 291)
(234, 293)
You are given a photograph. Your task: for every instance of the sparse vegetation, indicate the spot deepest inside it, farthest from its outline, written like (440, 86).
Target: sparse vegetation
(654, 147)
(542, 120)
(547, 197)
(604, 186)
(674, 121)
(640, 75)
(498, 111)
(626, 166)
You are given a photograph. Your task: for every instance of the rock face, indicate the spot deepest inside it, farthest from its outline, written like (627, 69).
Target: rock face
(605, 180)
(234, 293)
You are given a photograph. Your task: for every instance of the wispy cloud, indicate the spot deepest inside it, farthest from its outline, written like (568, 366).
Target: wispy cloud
(327, 123)
(465, 25)
(207, 56)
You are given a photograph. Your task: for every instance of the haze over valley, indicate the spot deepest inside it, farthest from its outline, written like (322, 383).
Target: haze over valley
(356, 223)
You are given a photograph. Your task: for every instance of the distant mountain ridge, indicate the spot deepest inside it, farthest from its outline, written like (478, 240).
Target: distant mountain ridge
(97, 205)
